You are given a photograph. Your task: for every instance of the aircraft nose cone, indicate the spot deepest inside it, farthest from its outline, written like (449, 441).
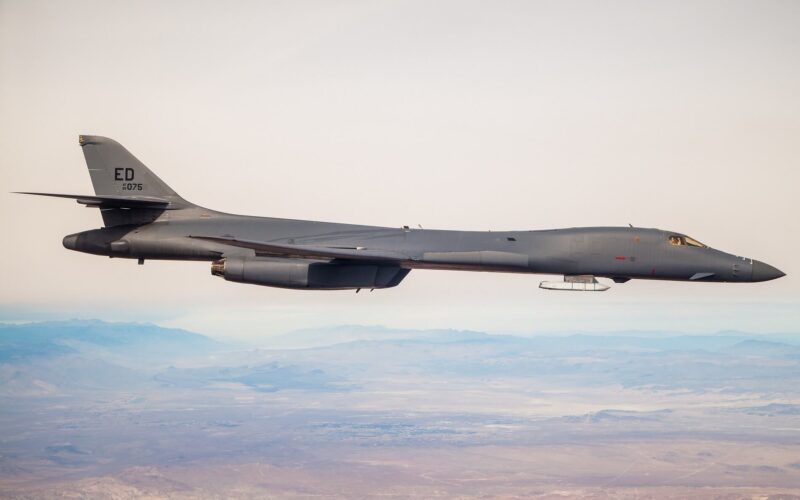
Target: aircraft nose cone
(70, 241)
(765, 272)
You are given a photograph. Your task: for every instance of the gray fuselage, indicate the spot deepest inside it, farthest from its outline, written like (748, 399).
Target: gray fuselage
(612, 252)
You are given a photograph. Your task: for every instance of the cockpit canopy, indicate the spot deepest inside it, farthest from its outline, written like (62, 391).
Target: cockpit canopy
(680, 240)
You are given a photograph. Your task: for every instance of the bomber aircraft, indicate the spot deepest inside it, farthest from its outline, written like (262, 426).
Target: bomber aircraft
(145, 219)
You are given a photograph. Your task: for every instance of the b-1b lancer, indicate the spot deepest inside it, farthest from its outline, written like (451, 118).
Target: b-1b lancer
(145, 219)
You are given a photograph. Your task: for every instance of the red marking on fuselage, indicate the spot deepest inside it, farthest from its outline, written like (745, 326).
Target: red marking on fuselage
(619, 257)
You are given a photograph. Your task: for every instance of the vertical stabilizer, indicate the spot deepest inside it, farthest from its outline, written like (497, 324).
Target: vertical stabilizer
(116, 172)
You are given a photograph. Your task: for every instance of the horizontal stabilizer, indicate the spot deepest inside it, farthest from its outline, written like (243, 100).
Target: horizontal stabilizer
(111, 201)
(310, 251)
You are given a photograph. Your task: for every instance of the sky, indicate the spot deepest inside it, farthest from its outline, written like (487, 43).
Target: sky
(452, 114)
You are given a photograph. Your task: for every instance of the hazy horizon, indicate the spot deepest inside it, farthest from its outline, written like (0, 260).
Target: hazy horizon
(269, 334)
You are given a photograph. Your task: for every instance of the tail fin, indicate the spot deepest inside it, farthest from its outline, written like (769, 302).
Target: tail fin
(116, 172)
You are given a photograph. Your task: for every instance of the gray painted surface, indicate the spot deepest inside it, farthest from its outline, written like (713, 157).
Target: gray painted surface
(145, 219)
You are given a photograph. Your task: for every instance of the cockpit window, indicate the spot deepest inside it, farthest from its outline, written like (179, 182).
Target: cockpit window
(678, 240)
(693, 242)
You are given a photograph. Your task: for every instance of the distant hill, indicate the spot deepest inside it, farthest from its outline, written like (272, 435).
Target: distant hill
(755, 347)
(66, 356)
(328, 336)
(664, 362)
(63, 356)
(54, 338)
(626, 341)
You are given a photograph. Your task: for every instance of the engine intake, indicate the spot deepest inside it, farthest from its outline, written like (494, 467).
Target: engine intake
(307, 274)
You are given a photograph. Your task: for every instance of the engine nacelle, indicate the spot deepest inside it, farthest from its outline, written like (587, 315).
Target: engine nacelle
(307, 274)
